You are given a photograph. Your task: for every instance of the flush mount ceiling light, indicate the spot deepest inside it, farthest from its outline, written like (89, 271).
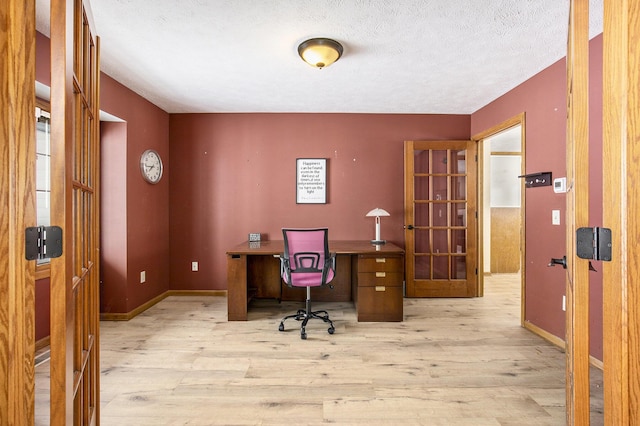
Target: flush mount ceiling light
(320, 52)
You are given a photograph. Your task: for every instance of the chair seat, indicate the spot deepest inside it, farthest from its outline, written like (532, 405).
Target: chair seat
(302, 279)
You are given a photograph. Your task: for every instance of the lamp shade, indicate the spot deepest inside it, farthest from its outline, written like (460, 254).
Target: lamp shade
(320, 52)
(378, 212)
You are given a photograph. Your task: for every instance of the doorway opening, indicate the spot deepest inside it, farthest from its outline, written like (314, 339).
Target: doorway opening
(502, 207)
(502, 232)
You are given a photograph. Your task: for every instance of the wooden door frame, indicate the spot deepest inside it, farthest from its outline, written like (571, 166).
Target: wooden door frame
(17, 210)
(479, 138)
(621, 211)
(577, 215)
(62, 127)
(69, 98)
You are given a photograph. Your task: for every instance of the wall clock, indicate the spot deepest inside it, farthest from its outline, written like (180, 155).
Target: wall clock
(151, 166)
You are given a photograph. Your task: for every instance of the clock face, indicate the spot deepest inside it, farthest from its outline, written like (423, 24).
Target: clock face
(151, 166)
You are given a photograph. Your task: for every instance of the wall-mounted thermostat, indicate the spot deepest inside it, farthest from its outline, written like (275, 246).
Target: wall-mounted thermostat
(560, 185)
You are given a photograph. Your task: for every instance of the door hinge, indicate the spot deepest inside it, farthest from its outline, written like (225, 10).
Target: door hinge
(593, 243)
(43, 242)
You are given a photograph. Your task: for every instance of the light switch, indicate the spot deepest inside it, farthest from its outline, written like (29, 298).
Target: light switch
(143, 276)
(194, 266)
(555, 217)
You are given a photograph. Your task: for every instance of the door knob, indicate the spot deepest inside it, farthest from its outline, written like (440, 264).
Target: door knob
(562, 262)
(409, 227)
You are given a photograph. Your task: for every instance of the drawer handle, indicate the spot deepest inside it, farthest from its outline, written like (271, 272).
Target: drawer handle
(380, 260)
(381, 274)
(381, 288)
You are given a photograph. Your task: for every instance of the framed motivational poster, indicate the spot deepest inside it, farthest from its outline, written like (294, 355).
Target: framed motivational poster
(311, 181)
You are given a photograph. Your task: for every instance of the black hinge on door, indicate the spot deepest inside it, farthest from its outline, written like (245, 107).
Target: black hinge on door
(43, 242)
(593, 243)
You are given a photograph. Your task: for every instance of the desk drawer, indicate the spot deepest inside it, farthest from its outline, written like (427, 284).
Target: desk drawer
(380, 263)
(382, 303)
(373, 279)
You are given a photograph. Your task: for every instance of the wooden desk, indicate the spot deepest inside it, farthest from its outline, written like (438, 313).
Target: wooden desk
(370, 276)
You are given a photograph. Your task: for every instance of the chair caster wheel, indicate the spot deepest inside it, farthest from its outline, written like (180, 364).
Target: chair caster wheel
(331, 330)
(281, 327)
(303, 334)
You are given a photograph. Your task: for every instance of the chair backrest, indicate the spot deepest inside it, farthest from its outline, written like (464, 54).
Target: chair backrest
(306, 259)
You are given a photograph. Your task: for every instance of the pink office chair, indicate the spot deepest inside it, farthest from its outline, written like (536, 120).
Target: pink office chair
(306, 262)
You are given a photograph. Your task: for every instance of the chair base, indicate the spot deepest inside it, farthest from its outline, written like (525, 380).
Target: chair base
(305, 315)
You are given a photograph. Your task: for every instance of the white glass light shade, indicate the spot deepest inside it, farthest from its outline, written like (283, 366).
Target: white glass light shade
(320, 52)
(377, 212)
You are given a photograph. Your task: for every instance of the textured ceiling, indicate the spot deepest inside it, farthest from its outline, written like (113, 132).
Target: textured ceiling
(400, 56)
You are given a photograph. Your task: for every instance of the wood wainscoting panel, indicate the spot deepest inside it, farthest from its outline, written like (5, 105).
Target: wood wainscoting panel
(505, 239)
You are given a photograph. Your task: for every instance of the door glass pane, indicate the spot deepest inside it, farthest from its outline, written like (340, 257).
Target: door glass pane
(421, 161)
(440, 241)
(458, 267)
(458, 162)
(422, 214)
(440, 267)
(458, 238)
(458, 214)
(422, 267)
(439, 162)
(440, 214)
(43, 170)
(422, 241)
(439, 188)
(458, 188)
(421, 188)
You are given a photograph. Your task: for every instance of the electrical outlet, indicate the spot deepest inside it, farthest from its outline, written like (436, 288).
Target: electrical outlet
(564, 303)
(194, 266)
(143, 276)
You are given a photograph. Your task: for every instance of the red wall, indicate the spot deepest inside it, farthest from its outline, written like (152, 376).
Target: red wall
(113, 217)
(543, 99)
(134, 214)
(43, 59)
(236, 173)
(139, 241)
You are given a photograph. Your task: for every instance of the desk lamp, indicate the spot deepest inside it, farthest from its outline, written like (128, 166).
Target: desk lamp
(377, 213)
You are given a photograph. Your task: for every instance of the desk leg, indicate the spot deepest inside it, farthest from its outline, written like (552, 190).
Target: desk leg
(237, 287)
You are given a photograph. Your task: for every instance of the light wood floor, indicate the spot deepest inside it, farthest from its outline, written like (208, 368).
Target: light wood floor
(451, 362)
